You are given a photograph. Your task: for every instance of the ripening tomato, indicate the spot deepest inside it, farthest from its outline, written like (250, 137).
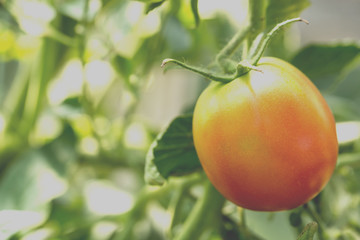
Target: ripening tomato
(267, 140)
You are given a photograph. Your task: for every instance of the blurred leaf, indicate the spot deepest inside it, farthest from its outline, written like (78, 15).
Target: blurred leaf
(308, 232)
(74, 9)
(13, 221)
(30, 183)
(124, 68)
(320, 61)
(150, 1)
(269, 225)
(231, 230)
(348, 84)
(30, 100)
(172, 153)
(350, 234)
(69, 108)
(280, 10)
(7, 18)
(104, 2)
(337, 200)
(342, 108)
(348, 159)
(295, 218)
(176, 36)
(152, 5)
(61, 153)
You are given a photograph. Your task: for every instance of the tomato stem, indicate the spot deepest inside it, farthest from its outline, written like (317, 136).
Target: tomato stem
(230, 48)
(138, 210)
(218, 78)
(241, 68)
(257, 10)
(206, 209)
(232, 69)
(195, 12)
(177, 201)
(309, 209)
(260, 45)
(308, 232)
(146, 196)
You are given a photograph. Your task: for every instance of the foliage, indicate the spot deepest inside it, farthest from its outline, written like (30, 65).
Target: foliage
(82, 97)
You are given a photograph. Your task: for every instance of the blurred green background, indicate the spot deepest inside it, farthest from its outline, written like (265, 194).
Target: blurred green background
(82, 96)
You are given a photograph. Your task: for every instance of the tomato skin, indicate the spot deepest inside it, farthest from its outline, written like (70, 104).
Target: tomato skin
(267, 140)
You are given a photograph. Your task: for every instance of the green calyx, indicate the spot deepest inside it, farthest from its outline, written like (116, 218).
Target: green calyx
(231, 68)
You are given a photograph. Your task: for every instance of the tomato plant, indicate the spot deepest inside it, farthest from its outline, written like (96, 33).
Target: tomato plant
(266, 140)
(84, 102)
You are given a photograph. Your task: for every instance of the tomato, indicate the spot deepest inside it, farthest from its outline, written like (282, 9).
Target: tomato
(267, 140)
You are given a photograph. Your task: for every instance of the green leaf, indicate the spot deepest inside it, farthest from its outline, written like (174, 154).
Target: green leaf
(13, 221)
(172, 153)
(308, 232)
(281, 10)
(320, 61)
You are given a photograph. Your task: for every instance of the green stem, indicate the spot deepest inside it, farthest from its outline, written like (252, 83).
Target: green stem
(84, 22)
(232, 45)
(138, 210)
(41, 73)
(195, 12)
(206, 209)
(259, 42)
(308, 232)
(315, 216)
(261, 45)
(348, 159)
(86, 98)
(60, 37)
(146, 196)
(15, 100)
(240, 68)
(257, 9)
(175, 207)
(218, 78)
(2, 82)
(176, 203)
